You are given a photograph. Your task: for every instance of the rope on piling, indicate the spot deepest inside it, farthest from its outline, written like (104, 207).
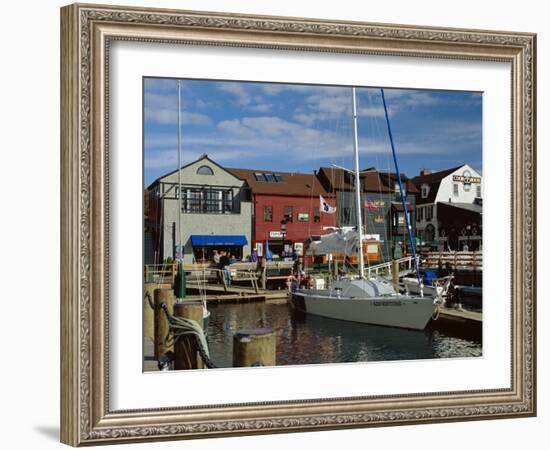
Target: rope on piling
(437, 311)
(147, 296)
(180, 326)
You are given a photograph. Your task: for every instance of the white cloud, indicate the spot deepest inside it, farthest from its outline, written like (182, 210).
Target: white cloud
(163, 109)
(261, 107)
(238, 90)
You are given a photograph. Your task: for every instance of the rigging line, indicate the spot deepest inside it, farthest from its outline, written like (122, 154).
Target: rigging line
(179, 197)
(398, 176)
(376, 132)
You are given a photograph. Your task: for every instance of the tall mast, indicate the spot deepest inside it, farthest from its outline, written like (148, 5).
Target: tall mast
(179, 168)
(357, 186)
(403, 200)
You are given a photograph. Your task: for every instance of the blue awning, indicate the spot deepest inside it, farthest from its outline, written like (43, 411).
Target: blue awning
(210, 240)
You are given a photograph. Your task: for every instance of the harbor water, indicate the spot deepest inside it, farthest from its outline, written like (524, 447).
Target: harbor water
(307, 339)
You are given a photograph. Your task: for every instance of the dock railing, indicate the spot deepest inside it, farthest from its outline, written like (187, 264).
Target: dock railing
(456, 260)
(406, 265)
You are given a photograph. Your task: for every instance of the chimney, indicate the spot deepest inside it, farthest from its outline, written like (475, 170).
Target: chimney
(425, 172)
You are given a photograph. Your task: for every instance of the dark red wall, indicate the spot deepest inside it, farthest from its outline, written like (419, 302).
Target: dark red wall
(295, 231)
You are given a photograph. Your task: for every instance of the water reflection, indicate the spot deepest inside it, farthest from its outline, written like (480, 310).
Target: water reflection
(315, 340)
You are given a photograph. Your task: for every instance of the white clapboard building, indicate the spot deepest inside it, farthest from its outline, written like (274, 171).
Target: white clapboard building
(449, 208)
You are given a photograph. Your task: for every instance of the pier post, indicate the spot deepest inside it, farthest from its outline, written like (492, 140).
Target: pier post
(149, 310)
(186, 355)
(254, 347)
(161, 322)
(395, 271)
(264, 274)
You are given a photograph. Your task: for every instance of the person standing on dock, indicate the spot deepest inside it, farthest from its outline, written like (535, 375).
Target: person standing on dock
(215, 258)
(224, 265)
(216, 264)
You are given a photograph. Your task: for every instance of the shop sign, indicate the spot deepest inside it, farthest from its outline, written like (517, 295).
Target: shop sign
(378, 219)
(277, 234)
(466, 179)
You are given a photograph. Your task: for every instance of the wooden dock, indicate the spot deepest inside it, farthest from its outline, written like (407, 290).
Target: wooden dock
(235, 294)
(459, 319)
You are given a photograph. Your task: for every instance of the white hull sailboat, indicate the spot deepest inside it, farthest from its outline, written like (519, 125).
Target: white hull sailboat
(390, 310)
(373, 301)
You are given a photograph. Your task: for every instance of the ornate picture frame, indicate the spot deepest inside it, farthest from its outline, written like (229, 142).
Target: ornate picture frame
(87, 32)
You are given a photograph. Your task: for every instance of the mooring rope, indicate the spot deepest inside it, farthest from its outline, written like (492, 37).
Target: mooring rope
(437, 311)
(180, 326)
(147, 296)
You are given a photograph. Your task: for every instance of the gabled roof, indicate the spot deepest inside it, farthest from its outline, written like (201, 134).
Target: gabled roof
(292, 183)
(434, 177)
(335, 179)
(204, 156)
(433, 180)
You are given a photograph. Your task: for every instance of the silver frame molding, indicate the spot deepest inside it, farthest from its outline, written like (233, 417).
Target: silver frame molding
(86, 32)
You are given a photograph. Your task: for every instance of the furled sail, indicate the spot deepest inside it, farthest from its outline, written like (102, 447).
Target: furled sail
(341, 241)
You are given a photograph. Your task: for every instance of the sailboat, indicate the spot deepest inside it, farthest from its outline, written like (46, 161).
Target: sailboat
(361, 299)
(179, 287)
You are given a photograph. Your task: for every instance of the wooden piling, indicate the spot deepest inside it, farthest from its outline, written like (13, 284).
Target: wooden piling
(264, 275)
(149, 310)
(395, 271)
(254, 347)
(161, 322)
(186, 355)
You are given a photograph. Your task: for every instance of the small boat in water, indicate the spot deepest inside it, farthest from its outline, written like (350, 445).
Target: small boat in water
(361, 299)
(429, 284)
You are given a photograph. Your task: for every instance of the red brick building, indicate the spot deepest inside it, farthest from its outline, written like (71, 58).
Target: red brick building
(285, 209)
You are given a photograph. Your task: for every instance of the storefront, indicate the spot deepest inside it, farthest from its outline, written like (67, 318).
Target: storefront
(204, 246)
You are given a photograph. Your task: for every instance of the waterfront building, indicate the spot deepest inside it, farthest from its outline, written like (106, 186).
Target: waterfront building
(214, 211)
(285, 209)
(382, 208)
(449, 208)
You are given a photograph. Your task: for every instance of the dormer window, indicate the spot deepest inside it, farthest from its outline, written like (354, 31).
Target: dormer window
(424, 191)
(205, 170)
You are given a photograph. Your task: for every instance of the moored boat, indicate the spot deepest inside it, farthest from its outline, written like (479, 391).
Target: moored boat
(366, 300)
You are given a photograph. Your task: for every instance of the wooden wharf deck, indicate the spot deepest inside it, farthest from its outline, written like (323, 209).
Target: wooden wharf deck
(460, 320)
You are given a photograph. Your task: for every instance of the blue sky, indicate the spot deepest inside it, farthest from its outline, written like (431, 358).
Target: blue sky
(299, 128)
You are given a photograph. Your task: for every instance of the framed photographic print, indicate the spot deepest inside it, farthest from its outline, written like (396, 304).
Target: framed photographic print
(277, 225)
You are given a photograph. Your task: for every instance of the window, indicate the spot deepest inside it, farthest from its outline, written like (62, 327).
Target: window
(288, 214)
(420, 214)
(205, 170)
(268, 213)
(192, 201)
(209, 201)
(424, 191)
(429, 212)
(372, 248)
(269, 177)
(228, 200)
(478, 191)
(303, 217)
(259, 176)
(316, 215)
(345, 215)
(455, 189)
(400, 219)
(212, 201)
(396, 187)
(278, 177)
